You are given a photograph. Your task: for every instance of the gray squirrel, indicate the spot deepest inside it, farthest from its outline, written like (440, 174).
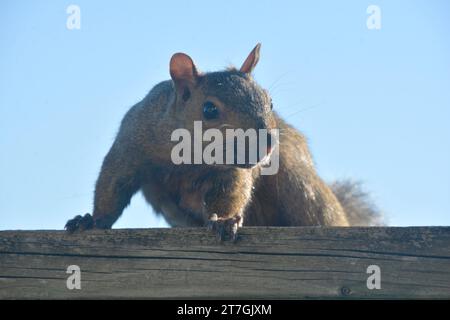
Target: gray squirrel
(223, 197)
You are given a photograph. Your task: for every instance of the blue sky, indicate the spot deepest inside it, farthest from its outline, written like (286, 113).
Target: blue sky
(374, 104)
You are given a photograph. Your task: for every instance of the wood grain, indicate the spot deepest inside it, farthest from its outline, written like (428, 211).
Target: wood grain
(269, 262)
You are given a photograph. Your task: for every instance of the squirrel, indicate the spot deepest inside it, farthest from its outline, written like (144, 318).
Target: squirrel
(222, 197)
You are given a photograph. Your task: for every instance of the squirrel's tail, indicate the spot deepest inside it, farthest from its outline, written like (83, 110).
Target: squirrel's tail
(357, 205)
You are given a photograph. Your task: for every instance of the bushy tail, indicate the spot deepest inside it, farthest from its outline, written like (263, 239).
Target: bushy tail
(357, 204)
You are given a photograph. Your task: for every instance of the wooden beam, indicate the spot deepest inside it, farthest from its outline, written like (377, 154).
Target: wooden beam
(265, 262)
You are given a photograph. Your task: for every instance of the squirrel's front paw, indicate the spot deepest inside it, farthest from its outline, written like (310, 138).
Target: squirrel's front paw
(226, 229)
(81, 223)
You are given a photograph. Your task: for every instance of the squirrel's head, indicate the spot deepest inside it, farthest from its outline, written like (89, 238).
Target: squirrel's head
(229, 99)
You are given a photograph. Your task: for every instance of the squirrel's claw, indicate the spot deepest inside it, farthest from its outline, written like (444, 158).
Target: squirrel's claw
(225, 229)
(85, 222)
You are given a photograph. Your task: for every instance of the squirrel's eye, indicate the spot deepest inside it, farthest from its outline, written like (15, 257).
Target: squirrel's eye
(210, 111)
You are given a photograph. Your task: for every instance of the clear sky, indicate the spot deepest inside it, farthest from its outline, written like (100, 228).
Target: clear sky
(375, 104)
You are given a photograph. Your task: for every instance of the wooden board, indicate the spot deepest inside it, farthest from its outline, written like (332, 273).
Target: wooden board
(292, 263)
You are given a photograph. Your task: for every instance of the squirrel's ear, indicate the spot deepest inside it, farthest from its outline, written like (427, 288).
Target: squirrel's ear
(252, 60)
(184, 73)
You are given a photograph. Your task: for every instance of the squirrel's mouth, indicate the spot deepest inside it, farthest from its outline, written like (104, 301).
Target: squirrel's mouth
(247, 164)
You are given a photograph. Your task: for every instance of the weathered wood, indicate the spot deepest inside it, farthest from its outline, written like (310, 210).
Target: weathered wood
(191, 263)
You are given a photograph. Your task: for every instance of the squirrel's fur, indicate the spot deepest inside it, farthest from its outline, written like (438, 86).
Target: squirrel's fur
(189, 195)
(357, 205)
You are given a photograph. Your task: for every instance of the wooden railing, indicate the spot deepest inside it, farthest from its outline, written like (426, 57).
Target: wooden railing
(265, 262)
